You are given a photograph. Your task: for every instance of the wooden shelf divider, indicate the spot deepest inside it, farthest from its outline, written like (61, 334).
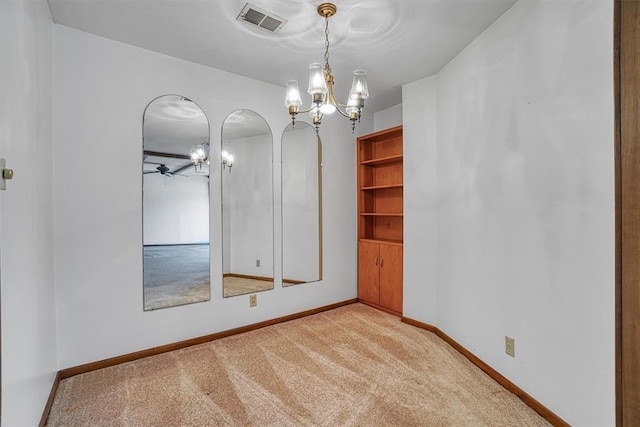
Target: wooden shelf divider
(381, 187)
(383, 160)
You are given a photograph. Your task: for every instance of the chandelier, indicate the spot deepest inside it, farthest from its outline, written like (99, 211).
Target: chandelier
(321, 86)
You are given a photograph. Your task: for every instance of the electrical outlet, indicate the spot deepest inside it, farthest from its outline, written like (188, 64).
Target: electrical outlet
(510, 346)
(253, 300)
(257, 263)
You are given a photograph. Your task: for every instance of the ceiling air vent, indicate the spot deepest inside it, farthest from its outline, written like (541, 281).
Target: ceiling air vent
(260, 18)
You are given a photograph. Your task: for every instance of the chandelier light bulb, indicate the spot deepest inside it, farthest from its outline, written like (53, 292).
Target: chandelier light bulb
(359, 86)
(352, 105)
(317, 84)
(292, 98)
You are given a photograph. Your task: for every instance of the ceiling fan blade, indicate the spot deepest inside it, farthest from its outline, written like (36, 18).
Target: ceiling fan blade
(183, 167)
(147, 172)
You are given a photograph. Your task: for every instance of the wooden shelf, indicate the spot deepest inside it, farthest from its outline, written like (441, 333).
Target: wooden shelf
(381, 214)
(387, 241)
(383, 160)
(381, 187)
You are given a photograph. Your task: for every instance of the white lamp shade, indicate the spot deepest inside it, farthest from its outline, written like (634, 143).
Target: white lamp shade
(352, 105)
(317, 85)
(292, 97)
(359, 87)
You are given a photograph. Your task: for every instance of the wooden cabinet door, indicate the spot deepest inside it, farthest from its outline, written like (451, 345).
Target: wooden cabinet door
(391, 277)
(368, 272)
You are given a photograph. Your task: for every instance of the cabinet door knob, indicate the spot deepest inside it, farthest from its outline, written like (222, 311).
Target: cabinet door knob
(376, 260)
(381, 262)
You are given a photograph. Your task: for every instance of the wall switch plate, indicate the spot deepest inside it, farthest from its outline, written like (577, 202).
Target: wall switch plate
(257, 263)
(253, 300)
(510, 346)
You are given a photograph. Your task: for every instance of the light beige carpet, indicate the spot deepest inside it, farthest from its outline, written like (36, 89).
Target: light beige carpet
(233, 285)
(353, 366)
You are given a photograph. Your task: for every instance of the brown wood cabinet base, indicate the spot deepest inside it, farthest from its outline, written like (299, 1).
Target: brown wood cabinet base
(380, 274)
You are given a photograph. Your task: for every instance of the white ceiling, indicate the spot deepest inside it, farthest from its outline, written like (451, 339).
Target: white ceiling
(395, 41)
(173, 125)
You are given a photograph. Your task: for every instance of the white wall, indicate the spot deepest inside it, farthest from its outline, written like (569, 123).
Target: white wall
(175, 209)
(525, 202)
(387, 118)
(250, 206)
(101, 90)
(26, 226)
(420, 167)
(300, 205)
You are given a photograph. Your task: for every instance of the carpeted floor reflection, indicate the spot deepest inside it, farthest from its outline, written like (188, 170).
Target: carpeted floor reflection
(241, 285)
(175, 275)
(350, 366)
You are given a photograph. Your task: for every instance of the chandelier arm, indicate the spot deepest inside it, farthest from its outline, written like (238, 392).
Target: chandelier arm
(307, 110)
(339, 110)
(331, 99)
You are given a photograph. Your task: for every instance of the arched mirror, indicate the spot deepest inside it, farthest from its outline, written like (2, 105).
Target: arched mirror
(301, 205)
(247, 204)
(175, 203)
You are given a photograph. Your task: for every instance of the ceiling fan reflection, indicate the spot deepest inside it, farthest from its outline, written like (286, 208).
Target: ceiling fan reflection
(162, 169)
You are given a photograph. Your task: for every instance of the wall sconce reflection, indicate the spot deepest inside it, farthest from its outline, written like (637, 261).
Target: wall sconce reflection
(227, 160)
(200, 155)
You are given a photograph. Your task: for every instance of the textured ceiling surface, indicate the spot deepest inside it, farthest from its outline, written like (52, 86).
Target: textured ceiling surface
(395, 41)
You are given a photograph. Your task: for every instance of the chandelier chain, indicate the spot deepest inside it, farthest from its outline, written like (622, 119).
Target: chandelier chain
(326, 46)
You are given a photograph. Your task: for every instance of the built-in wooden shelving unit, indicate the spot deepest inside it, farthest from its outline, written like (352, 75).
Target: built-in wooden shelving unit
(380, 219)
